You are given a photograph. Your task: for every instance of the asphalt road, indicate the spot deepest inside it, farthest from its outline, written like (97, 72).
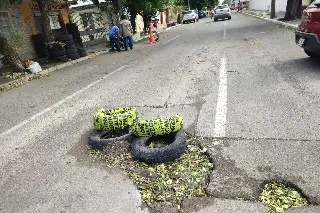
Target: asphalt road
(243, 78)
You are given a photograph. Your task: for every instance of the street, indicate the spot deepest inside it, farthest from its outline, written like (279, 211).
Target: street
(238, 79)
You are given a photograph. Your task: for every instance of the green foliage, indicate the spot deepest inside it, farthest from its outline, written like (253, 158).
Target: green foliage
(279, 198)
(200, 4)
(169, 182)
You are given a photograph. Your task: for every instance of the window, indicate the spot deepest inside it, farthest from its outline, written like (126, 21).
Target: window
(5, 24)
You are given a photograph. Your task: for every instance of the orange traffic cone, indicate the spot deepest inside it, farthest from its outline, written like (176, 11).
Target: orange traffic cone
(151, 37)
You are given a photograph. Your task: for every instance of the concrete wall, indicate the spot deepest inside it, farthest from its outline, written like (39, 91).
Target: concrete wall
(265, 5)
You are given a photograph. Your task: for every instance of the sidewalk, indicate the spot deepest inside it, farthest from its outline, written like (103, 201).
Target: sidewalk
(266, 16)
(93, 51)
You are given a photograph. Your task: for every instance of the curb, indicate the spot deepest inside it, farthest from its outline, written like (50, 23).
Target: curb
(273, 21)
(70, 63)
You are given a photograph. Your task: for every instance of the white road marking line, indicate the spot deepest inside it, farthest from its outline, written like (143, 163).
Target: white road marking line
(224, 30)
(171, 39)
(221, 111)
(58, 103)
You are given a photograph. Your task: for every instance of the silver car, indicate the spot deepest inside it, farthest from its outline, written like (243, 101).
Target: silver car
(190, 16)
(222, 12)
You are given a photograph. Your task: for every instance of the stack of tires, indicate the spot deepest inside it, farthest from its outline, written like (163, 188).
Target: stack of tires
(70, 47)
(39, 42)
(140, 134)
(57, 52)
(74, 31)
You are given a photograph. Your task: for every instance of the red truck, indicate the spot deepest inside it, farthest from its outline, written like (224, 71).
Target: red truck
(308, 33)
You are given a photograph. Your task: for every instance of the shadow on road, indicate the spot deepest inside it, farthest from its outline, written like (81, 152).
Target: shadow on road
(302, 64)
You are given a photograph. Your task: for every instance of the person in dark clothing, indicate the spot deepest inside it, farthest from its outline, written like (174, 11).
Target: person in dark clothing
(114, 38)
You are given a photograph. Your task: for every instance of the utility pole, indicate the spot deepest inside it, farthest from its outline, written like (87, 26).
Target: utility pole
(189, 4)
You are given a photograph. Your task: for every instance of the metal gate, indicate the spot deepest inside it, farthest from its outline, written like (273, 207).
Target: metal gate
(90, 27)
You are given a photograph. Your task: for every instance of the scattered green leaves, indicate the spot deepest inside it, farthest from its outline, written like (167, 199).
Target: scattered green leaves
(12, 75)
(279, 198)
(22, 81)
(169, 182)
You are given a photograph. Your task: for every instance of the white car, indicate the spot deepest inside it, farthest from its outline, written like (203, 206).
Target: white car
(222, 12)
(190, 16)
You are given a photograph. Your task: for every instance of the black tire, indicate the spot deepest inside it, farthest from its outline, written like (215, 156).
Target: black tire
(229, 18)
(61, 59)
(83, 54)
(69, 47)
(63, 38)
(97, 141)
(73, 56)
(72, 28)
(174, 150)
(76, 36)
(311, 54)
(215, 20)
(71, 51)
(68, 43)
(159, 126)
(57, 53)
(52, 47)
(38, 38)
(42, 53)
(81, 50)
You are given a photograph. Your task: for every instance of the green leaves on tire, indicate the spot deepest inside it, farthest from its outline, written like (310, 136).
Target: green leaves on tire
(159, 126)
(115, 119)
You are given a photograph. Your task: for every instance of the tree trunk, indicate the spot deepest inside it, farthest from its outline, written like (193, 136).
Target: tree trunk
(11, 56)
(293, 10)
(119, 7)
(43, 6)
(145, 22)
(167, 15)
(273, 9)
(133, 21)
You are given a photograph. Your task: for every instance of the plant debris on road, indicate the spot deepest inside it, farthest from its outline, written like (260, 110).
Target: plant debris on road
(279, 198)
(162, 184)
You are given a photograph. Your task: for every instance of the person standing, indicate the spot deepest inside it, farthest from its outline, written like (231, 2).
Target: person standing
(114, 38)
(126, 32)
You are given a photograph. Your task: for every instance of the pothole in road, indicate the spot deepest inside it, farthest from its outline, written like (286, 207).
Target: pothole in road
(280, 196)
(162, 186)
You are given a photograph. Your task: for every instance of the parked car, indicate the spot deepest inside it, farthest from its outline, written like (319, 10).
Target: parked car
(222, 12)
(308, 33)
(190, 16)
(202, 14)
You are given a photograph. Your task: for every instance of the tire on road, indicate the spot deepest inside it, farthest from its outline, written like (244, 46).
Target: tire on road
(311, 54)
(174, 150)
(159, 126)
(98, 141)
(114, 119)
